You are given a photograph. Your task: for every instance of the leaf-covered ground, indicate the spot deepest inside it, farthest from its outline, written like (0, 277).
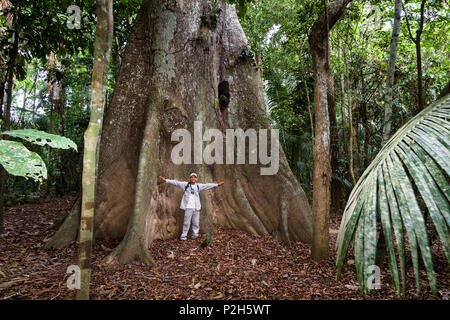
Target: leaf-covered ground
(236, 266)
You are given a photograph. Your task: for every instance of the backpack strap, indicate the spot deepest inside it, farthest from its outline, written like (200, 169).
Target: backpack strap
(187, 186)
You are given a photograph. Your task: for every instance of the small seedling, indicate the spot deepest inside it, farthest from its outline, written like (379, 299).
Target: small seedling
(207, 241)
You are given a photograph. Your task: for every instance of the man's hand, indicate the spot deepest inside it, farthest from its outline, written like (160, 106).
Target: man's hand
(162, 178)
(220, 183)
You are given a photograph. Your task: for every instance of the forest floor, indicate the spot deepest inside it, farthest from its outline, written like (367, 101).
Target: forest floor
(236, 266)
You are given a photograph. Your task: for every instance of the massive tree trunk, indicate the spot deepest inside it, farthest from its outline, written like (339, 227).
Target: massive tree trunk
(187, 61)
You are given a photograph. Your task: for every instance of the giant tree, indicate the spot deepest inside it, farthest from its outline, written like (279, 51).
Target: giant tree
(187, 61)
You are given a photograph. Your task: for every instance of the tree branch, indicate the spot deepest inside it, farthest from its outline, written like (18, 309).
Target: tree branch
(407, 24)
(332, 15)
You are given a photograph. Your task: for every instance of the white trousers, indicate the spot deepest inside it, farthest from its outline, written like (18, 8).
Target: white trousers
(194, 215)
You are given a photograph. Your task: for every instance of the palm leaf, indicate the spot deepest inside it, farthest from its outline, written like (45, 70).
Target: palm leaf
(413, 167)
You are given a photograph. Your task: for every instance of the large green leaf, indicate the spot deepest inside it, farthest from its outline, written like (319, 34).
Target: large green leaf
(413, 167)
(42, 138)
(19, 161)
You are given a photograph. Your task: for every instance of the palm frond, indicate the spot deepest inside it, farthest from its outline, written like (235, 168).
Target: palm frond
(411, 169)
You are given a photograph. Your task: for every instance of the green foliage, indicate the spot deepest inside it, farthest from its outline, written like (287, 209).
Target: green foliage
(42, 138)
(19, 161)
(277, 33)
(412, 168)
(241, 6)
(43, 28)
(208, 241)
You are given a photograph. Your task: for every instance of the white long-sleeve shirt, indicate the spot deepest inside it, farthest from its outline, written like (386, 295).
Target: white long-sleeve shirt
(186, 200)
(191, 196)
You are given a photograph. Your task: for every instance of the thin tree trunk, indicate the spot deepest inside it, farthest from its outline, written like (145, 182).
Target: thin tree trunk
(22, 112)
(335, 184)
(416, 40)
(49, 149)
(356, 122)
(34, 96)
(350, 107)
(64, 183)
(2, 94)
(350, 120)
(367, 135)
(419, 76)
(102, 53)
(318, 39)
(343, 115)
(308, 101)
(390, 71)
(387, 128)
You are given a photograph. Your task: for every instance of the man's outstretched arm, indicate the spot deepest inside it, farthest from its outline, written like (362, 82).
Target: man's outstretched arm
(176, 183)
(206, 186)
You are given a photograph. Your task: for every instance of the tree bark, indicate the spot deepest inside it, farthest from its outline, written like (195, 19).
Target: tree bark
(356, 115)
(102, 53)
(36, 73)
(336, 186)
(391, 70)
(343, 112)
(318, 39)
(350, 111)
(134, 244)
(419, 76)
(64, 183)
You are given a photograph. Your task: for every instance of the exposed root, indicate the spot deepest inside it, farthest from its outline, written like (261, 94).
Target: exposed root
(127, 252)
(68, 231)
(284, 220)
(132, 246)
(247, 210)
